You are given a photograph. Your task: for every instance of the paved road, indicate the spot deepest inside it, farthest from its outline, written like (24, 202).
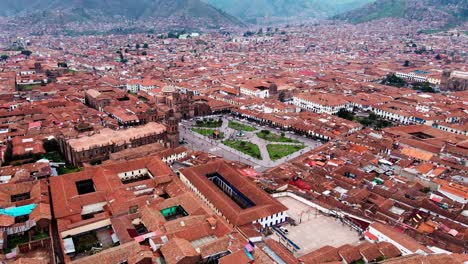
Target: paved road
(198, 142)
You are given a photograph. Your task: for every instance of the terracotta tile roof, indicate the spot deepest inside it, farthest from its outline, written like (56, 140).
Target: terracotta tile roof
(238, 257)
(369, 251)
(6, 220)
(113, 255)
(264, 204)
(177, 249)
(37, 190)
(453, 188)
(429, 259)
(424, 168)
(349, 253)
(42, 211)
(108, 136)
(151, 217)
(24, 260)
(121, 225)
(215, 247)
(417, 154)
(321, 255)
(402, 239)
(388, 250)
(108, 187)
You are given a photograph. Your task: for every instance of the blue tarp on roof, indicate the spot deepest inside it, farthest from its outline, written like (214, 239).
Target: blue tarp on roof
(18, 211)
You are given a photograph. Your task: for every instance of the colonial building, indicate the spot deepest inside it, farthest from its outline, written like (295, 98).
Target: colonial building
(181, 103)
(103, 202)
(232, 196)
(96, 99)
(454, 81)
(24, 211)
(136, 211)
(321, 103)
(97, 147)
(406, 244)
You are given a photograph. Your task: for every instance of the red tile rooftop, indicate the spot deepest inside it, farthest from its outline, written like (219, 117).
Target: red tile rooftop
(108, 136)
(400, 238)
(264, 204)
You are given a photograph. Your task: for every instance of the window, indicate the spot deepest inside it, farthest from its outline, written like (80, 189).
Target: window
(135, 178)
(21, 219)
(85, 186)
(140, 229)
(20, 197)
(165, 195)
(133, 209)
(90, 215)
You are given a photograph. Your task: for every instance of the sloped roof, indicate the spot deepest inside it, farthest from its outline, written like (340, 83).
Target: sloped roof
(177, 249)
(264, 206)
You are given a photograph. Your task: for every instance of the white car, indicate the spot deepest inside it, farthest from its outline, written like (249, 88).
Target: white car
(284, 229)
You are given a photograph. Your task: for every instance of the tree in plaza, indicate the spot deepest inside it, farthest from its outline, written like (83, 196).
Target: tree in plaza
(345, 114)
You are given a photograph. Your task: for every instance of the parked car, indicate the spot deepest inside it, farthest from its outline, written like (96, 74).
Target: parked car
(284, 229)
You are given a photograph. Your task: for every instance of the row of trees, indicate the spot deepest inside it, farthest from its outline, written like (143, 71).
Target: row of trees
(370, 121)
(260, 32)
(138, 46)
(395, 81)
(5, 57)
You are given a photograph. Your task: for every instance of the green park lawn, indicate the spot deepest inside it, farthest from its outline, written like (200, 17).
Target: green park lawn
(278, 151)
(241, 127)
(210, 123)
(272, 137)
(244, 147)
(67, 169)
(207, 132)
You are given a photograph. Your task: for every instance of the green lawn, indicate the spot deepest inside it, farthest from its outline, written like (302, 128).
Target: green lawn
(40, 236)
(244, 147)
(241, 127)
(54, 156)
(15, 240)
(67, 169)
(278, 151)
(207, 132)
(27, 87)
(85, 242)
(210, 123)
(272, 137)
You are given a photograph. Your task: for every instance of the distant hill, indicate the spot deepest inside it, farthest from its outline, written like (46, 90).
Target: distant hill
(105, 9)
(447, 12)
(286, 8)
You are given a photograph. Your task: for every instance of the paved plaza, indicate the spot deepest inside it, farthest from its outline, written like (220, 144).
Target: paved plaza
(198, 142)
(315, 230)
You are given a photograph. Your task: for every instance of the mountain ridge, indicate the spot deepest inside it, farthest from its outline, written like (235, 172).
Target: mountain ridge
(128, 9)
(446, 13)
(286, 8)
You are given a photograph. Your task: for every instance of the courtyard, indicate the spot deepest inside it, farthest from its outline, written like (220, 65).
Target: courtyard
(315, 230)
